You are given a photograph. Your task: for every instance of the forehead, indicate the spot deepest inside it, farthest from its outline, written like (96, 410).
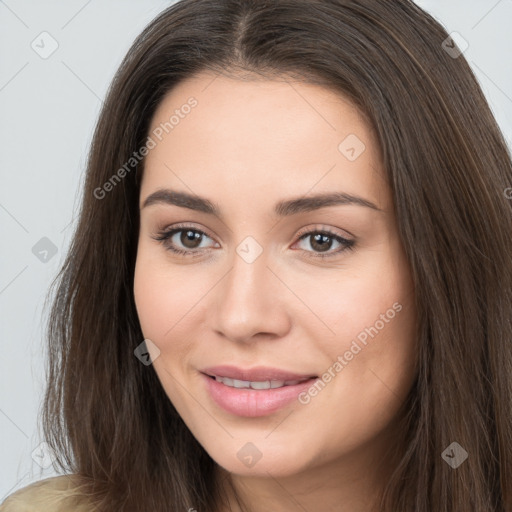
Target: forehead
(248, 138)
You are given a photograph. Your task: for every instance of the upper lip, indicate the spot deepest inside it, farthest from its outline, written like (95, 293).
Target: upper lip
(256, 374)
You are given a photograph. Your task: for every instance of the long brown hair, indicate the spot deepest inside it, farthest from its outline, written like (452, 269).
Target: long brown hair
(106, 415)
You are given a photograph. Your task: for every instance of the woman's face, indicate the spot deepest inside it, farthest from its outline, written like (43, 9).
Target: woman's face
(293, 271)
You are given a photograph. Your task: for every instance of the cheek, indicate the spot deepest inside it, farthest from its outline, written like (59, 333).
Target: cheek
(164, 298)
(369, 365)
(151, 299)
(167, 317)
(371, 348)
(363, 303)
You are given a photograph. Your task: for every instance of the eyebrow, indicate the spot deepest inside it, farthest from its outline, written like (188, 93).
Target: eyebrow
(281, 209)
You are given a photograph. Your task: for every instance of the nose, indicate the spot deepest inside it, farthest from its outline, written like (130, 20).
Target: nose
(251, 302)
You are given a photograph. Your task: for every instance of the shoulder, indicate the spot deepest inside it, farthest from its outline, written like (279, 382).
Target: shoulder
(54, 494)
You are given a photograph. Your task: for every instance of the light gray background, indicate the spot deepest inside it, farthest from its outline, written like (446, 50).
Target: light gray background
(48, 111)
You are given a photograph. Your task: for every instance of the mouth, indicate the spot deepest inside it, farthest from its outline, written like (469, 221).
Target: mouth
(258, 385)
(258, 374)
(254, 392)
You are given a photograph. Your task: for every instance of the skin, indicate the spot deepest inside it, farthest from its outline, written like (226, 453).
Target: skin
(247, 145)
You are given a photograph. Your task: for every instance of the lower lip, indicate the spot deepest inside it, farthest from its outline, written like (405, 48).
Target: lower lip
(253, 402)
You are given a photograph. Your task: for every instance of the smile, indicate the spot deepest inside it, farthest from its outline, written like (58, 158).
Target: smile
(245, 384)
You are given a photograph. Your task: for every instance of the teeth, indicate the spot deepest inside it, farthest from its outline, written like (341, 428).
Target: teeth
(245, 384)
(240, 383)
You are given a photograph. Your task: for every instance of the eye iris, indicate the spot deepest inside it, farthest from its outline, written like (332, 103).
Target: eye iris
(324, 242)
(189, 237)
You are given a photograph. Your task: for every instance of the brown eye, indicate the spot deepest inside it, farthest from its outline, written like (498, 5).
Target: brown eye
(189, 238)
(322, 241)
(183, 240)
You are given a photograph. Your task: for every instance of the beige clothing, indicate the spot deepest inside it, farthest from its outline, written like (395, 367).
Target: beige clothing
(55, 494)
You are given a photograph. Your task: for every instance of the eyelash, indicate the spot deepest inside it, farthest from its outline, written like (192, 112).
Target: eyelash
(165, 236)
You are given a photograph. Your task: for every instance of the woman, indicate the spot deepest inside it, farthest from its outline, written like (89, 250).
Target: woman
(290, 287)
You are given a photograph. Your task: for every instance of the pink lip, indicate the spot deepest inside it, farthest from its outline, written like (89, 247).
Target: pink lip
(253, 402)
(256, 374)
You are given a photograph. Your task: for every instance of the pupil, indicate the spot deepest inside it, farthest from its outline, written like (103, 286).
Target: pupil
(322, 241)
(188, 238)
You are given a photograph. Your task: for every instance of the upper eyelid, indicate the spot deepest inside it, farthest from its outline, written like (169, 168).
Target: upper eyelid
(331, 231)
(177, 228)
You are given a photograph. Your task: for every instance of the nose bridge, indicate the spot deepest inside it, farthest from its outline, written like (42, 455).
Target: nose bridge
(247, 284)
(247, 302)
